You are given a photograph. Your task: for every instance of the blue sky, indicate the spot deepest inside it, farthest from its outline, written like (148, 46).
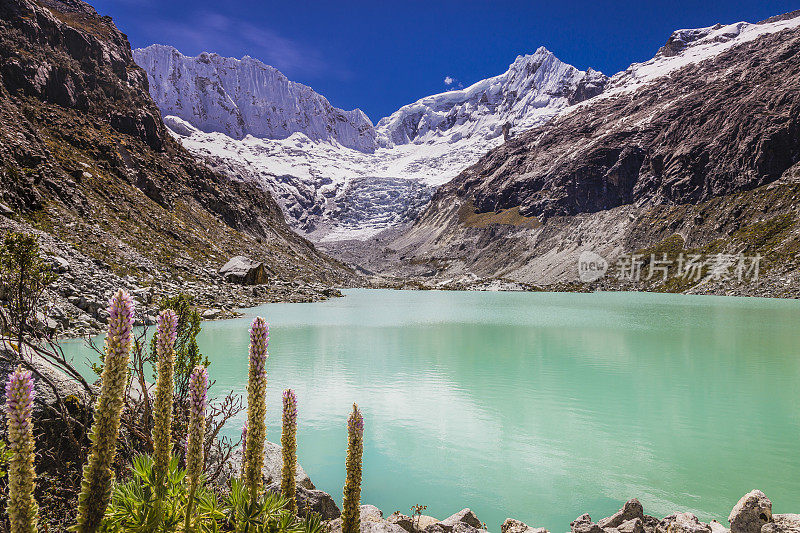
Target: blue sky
(379, 55)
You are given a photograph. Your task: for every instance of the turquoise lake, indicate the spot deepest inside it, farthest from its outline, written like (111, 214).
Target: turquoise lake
(537, 406)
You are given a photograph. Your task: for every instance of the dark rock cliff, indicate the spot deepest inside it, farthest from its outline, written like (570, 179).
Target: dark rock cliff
(713, 128)
(85, 155)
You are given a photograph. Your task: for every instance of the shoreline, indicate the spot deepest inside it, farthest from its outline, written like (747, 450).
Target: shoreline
(223, 300)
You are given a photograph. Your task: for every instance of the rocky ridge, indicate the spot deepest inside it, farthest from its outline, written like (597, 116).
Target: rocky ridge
(76, 303)
(86, 159)
(697, 155)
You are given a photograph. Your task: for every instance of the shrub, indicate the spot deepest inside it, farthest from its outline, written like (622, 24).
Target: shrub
(23, 278)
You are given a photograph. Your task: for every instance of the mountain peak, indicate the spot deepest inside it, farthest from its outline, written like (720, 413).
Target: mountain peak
(533, 89)
(241, 97)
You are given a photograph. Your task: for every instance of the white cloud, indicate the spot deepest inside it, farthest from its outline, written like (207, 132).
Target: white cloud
(449, 80)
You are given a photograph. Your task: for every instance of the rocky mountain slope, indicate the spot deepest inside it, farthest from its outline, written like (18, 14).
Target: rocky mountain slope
(319, 180)
(85, 157)
(696, 151)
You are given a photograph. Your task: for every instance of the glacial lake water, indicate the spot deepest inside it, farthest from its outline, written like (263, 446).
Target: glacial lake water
(537, 406)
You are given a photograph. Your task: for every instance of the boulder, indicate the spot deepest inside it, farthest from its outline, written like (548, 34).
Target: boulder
(403, 521)
(463, 527)
(782, 523)
(635, 525)
(46, 323)
(273, 462)
(244, 271)
(312, 500)
(716, 527)
(58, 264)
(631, 510)
(682, 523)
(584, 524)
(650, 523)
(70, 390)
(515, 526)
(371, 522)
(51, 431)
(750, 513)
(211, 314)
(464, 516)
(412, 524)
(459, 527)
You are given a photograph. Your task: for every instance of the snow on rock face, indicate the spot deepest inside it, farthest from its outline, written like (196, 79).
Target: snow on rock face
(333, 187)
(326, 191)
(240, 97)
(689, 46)
(533, 89)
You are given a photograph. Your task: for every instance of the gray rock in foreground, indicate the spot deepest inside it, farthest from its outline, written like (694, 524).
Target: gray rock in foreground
(412, 524)
(716, 527)
(782, 523)
(67, 388)
(682, 523)
(515, 526)
(584, 524)
(371, 522)
(751, 513)
(273, 462)
(464, 516)
(630, 511)
(312, 500)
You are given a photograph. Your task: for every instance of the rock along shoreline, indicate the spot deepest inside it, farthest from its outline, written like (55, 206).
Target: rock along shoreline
(751, 514)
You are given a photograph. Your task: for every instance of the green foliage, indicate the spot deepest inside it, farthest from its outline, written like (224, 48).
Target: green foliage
(24, 275)
(135, 509)
(187, 352)
(5, 456)
(135, 504)
(267, 513)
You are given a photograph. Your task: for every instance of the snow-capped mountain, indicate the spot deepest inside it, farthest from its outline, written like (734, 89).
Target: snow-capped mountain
(240, 97)
(248, 120)
(697, 146)
(222, 109)
(691, 46)
(528, 93)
